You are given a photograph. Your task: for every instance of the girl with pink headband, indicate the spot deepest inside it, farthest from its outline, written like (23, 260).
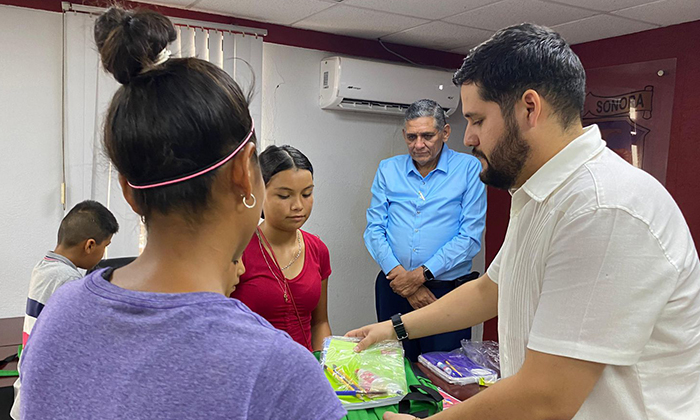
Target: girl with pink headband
(160, 338)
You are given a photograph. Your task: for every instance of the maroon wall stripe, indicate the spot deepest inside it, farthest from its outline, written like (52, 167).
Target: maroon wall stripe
(50, 5)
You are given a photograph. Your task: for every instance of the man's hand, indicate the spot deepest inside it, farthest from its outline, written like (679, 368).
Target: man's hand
(391, 275)
(422, 297)
(373, 333)
(407, 283)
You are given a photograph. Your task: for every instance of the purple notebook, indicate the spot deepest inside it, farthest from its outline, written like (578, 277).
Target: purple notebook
(456, 368)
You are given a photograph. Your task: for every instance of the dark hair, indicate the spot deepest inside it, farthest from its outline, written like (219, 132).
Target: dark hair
(87, 220)
(276, 159)
(426, 108)
(168, 119)
(523, 57)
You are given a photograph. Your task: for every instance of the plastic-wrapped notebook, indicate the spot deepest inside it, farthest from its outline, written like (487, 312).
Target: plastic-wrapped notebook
(375, 377)
(456, 368)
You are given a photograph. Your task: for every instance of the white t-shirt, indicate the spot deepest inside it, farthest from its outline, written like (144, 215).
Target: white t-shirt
(598, 264)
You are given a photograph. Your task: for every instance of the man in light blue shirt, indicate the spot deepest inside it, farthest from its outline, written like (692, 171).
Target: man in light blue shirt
(424, 223)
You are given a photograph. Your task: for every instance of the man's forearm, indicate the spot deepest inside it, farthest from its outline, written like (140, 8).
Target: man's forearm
(378, 247)
(505, 400)
(458, 250)
(547, 387)
(466, 306)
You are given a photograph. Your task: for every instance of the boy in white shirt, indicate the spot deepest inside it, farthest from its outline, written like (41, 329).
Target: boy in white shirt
(84, 234)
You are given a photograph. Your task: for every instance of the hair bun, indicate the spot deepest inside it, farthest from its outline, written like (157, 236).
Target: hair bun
(130, 40)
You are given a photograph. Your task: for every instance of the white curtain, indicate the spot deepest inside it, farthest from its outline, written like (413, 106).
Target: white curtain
(89, 89)
(240, 55)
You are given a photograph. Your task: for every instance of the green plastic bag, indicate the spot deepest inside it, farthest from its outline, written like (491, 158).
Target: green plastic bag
(422, 401)
(10, 373)
(380, 368)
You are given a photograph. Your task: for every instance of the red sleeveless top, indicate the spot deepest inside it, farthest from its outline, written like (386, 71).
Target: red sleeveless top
(262, 293)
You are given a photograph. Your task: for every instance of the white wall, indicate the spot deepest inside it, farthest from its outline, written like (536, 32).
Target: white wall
(345, 149)
(30, 137)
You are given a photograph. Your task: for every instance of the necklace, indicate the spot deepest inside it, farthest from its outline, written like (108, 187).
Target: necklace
(296, 257)
(282, 284)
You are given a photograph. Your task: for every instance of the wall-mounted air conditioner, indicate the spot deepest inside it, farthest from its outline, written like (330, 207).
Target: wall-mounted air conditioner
(351, 84)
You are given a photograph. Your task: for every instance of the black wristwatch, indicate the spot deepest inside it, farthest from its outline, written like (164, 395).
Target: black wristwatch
(427, 274)
(401, 333)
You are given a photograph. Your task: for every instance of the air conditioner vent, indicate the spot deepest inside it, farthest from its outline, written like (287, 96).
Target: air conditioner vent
(386, 88)
(350, 104)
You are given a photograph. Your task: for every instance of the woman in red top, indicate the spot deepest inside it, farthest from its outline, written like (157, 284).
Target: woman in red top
(287, 269)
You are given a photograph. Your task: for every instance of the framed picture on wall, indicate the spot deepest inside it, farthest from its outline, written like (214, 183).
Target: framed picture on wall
(632, 104)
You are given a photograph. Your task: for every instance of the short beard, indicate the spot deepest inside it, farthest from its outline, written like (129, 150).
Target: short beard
(508, 158)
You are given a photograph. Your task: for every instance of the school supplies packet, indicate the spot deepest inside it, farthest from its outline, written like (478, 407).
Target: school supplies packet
(484, 353)
(375, 377)
(456, 368)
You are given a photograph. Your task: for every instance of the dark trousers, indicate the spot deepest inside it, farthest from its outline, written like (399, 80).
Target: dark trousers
(389, 303)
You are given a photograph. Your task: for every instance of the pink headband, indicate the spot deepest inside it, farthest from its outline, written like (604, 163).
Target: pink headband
(209, 168)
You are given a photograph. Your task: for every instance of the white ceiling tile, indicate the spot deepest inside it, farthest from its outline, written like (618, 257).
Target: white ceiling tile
(511, 12)
(664, 12)
(361, 23)
(407, 26)
(439, 35)
(283, 12)
(599, 27)
(602, 5)
(421, 8)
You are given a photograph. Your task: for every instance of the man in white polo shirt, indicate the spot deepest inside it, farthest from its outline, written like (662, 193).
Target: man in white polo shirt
(597, 285)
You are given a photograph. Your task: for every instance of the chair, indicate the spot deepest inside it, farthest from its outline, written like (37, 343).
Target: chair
(112, 262)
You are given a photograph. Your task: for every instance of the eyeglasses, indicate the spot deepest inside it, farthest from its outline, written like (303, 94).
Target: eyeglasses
(427, 136)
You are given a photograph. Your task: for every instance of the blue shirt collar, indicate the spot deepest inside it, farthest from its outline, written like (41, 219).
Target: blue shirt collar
(442, 166)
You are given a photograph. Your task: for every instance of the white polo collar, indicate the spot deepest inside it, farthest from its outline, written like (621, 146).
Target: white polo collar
(559, 168)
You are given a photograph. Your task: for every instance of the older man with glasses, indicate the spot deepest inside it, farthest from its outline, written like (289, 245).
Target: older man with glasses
(424, 223)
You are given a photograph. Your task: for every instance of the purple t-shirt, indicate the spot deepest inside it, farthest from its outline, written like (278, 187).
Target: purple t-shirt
(102, 352)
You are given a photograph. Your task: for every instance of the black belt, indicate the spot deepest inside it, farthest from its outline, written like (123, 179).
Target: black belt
(451, 284)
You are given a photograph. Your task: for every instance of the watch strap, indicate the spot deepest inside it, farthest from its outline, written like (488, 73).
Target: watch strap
(401, 333)
(427, 274)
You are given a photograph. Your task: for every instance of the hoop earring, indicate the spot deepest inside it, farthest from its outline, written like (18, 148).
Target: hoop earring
(245, 199)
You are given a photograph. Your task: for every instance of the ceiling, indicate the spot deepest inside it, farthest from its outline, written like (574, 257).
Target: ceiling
(454, 25)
